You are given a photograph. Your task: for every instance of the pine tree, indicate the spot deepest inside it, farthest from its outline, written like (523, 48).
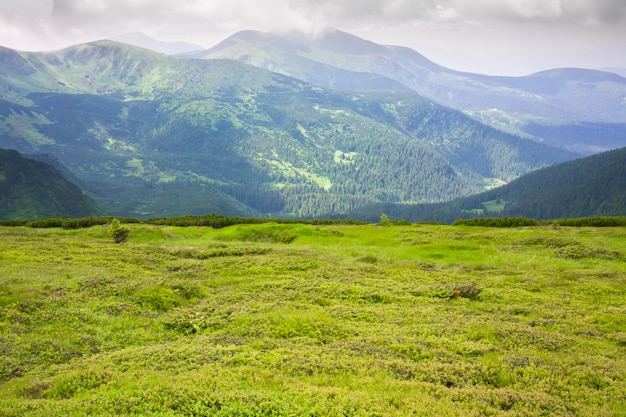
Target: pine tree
(118, 232)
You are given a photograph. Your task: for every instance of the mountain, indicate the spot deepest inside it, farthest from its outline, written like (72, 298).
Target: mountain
(561, 97)
(616, 70)
(282, 55)
(155, 135)
(144, 41)
(31, 189)
(585, 187)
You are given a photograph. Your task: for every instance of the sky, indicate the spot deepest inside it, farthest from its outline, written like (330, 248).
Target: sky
(495, 37)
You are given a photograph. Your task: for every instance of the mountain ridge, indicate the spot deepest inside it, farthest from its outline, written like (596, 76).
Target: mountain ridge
(559, 96)
(158, 135)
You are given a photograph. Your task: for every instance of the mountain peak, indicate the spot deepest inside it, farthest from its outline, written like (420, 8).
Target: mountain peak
(329, 40)
(337, 41)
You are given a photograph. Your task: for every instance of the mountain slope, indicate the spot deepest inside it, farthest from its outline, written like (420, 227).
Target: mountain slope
(592, 186)
(32, 189)
(585, 187)
(157, 135)
(560, 96)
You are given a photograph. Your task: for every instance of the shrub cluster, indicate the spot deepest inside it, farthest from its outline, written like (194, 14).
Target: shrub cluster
(497, 222)
(593, 221)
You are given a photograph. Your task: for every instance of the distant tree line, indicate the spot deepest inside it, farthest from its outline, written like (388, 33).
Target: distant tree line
(215, 221)
(218, 221)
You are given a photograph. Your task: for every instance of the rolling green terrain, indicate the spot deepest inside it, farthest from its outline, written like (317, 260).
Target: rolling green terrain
(152, 135)
(294, 319)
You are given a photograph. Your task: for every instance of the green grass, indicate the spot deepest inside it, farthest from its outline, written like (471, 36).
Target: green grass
(286, 320)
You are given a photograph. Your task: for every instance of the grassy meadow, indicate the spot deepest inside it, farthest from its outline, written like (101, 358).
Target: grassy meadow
(305, 320)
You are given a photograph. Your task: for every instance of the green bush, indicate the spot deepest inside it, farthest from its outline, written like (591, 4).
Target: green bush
(157, 298)
(118, 232)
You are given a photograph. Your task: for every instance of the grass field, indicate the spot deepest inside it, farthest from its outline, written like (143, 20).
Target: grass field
(303, 320)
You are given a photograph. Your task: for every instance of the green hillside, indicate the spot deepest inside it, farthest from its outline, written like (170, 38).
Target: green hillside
(592, 186)
(585, 187)
(562, 97)
(153, 135)
(344, 320)
(31, 189)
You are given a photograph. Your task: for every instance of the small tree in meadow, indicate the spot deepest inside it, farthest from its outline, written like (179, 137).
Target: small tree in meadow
(384, 220)
(118, 232)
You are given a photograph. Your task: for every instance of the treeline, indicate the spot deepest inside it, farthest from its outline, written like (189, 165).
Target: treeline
(497, 222)
(215, 221)
(218, 221)
(524, 221)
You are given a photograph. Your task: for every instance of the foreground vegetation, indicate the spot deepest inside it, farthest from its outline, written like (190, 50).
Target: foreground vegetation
(313, 319)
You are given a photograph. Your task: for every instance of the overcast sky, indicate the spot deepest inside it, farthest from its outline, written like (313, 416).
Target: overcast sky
(509, 37)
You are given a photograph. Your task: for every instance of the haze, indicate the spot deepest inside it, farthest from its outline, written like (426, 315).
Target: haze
(498, 37)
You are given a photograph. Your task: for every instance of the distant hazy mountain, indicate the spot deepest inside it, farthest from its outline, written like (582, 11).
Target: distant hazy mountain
(31, 189)
(144, 41)
(271, 54)
(560, 97)
(616, 70)
(585, 187)
(155, 135)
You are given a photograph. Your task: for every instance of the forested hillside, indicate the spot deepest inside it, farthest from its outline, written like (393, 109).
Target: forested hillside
(152, 135)
(586, 187)
(32, 189)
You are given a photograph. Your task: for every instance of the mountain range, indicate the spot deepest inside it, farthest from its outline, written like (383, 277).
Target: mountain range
(544, 106)
(147, 134)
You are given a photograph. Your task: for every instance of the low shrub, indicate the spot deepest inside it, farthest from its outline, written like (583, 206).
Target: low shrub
(470, 291)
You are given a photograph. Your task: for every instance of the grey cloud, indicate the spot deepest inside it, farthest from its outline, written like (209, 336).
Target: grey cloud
(459, 26)
(566, 11)
(113, 16)
(575, 12)
(595, 12)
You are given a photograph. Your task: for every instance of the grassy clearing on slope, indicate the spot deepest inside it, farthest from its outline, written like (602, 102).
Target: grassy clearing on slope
(290, 319)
